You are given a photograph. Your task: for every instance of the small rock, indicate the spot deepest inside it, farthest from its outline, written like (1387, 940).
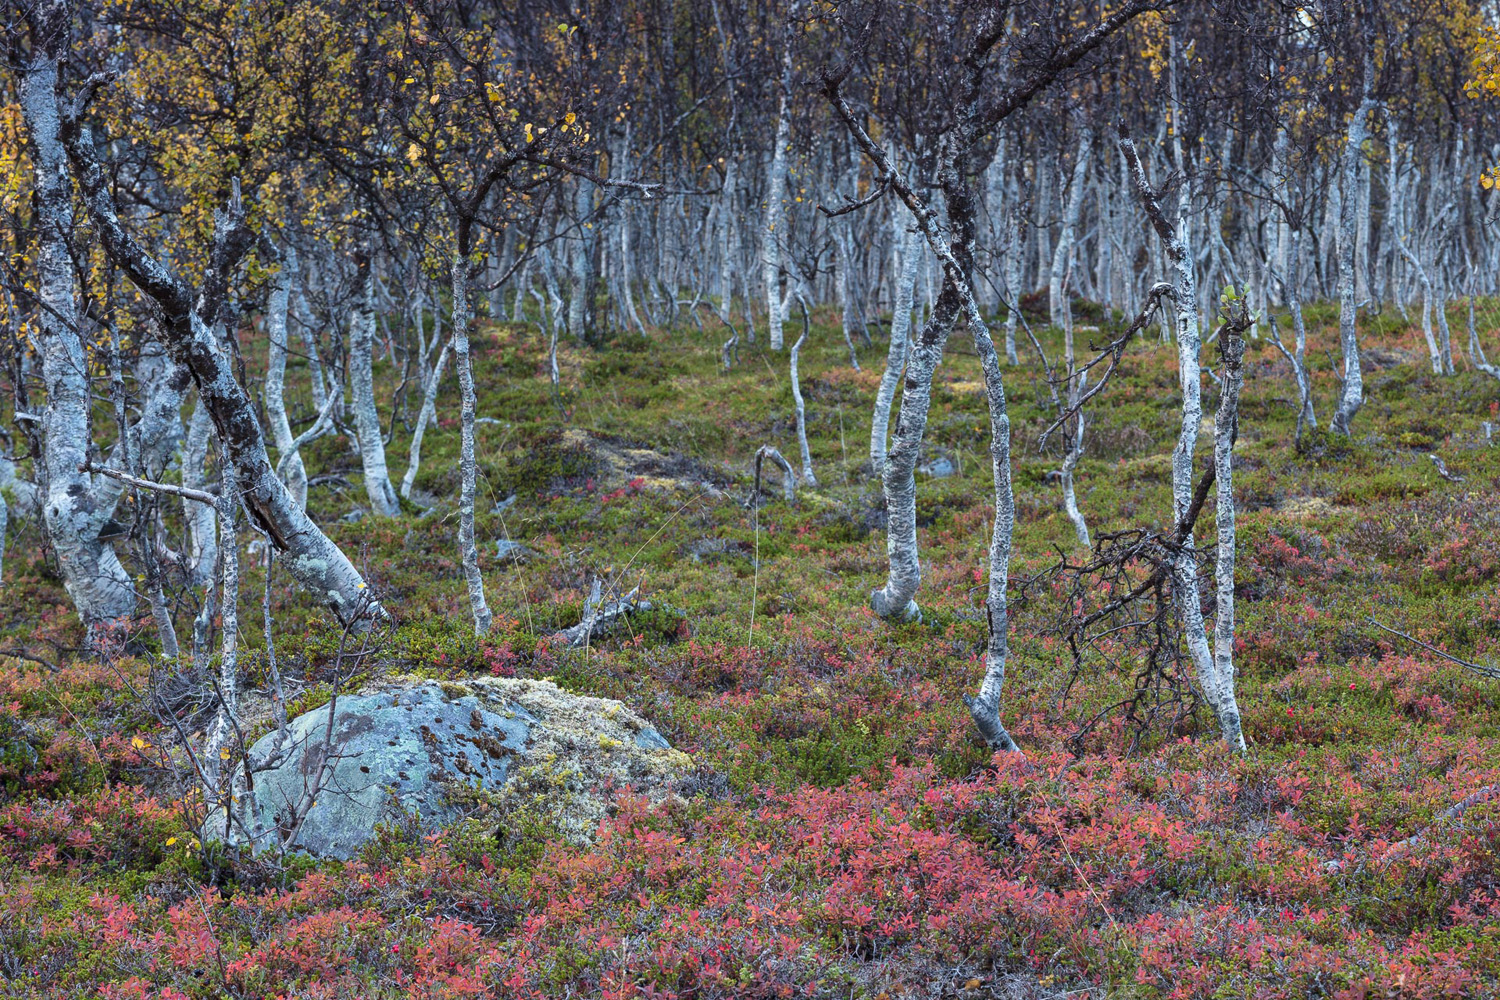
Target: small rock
(504, 505)
(940, 468)
(708, 549)
(507, 551)
(353, 516)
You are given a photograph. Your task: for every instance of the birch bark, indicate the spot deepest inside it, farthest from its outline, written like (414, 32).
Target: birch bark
(92, 573)
(1071, 212)
(378, 489)
(468, 551)
(295, 473)
(1217, 687)
(774, 223)
(429, 410)
(807, 469)
(1352, 396)
(909, 249)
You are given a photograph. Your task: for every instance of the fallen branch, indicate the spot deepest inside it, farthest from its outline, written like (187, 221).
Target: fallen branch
(1442, 469)
(599, 615)
(1482, 669)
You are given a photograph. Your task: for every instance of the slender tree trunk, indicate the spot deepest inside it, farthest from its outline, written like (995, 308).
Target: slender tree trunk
(1306, 417)
(468, 551)
(910, 249)
(1226, 428)
(1434, 354)
(295, 475)
(429, 409)
(1217, 686)
(1013, 256)
(773, 227)
(382, 495)
(807, 469)
(1352, 396)
(203, 546)
(1070, 464)
(1071, 212)
(729, 239)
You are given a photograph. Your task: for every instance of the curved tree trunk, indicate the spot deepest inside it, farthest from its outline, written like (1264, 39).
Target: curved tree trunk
(1216, 681)
(772, 229)
(203, 546)
(807, 469)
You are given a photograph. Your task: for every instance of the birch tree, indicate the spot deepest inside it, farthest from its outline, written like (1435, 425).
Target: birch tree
(312, 559)
(1215, 667)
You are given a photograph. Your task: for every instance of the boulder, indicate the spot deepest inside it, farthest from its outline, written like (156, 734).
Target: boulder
(517, 752)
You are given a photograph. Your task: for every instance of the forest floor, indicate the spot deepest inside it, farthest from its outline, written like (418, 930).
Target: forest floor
(845, 833)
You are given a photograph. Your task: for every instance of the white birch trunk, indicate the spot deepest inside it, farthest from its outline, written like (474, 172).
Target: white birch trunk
(1185, 563)
(774, 224)
(807, 469)
(1070, 464)
(313, 560)
(1352, 395)
(429, 409)
(92, 573)
(1014, 253)
(1071, 212)
(729, 239)
(468, 551)
(1226, 428)
(203, 545)
(909, 248)
(382, 495)
(294, 474)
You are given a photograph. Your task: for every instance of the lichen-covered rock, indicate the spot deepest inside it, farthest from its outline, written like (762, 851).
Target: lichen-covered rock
(518, 752)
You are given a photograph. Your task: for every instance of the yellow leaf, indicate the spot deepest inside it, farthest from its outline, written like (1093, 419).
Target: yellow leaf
(570, 118)
(1486, 181)
(409, 81)
(171, 841)
(139, 743)
(224, 754)
(433, 99)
